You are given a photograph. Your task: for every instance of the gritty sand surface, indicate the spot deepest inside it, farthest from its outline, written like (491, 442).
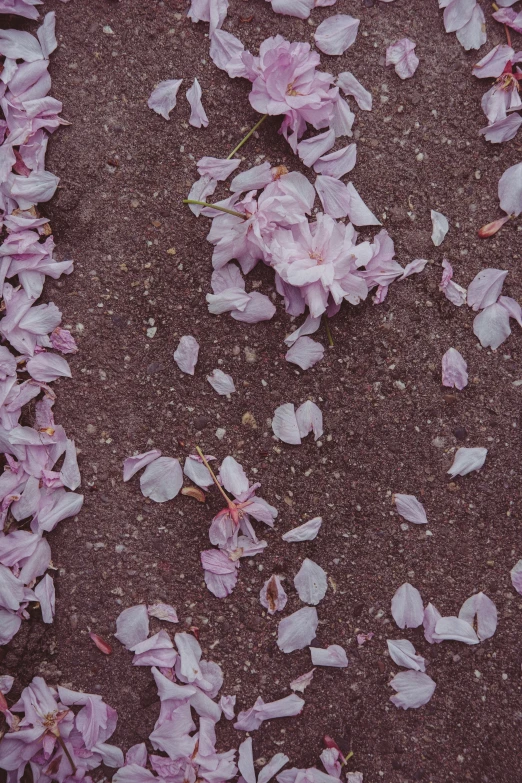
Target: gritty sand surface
(389, 424)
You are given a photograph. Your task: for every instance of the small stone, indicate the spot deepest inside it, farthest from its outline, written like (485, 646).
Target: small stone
(91, 429)
(151, 331)
(248, 420)
(108, 30)
(220, 433)
(134, 203)
(250, 355)
(171, 251)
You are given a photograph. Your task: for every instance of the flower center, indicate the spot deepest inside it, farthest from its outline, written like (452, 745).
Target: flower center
(317, 257)
(508, 82)
(291, 91)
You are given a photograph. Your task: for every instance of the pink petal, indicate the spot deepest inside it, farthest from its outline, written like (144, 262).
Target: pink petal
(233, 477)
(485, 288)
(342, 118)
(156, 651)
(139, 461)
(297, 630)
(458, 13)
(198, 117)
(132, 626)
(310, 150)
(305, 532)
(414, 689)
(440, 227)
(227, 704)
(162, 479)
(352, 86)
(272, 768)
(413, 268)
(134, 773)
(467, 460)
(337, 163)
(482, 608)
(430, 619)
(70, 473)
(221, 382)
(228, 276)
(201, 190)
(253, 179)
(137, 754)
(47, 367)
(472, 35)
(225, 301)
(491, 326)
(513, 308)
(310, 582)
(333, 195)
(163, 612)
(298, 8)
(259, 308)
(502, 130)
(510, 190)
(409, 508)
(454, 369)
(309, 326)
(186, 354)
(284, 424)
(401, 54)
(510, 18)
(494, 62)
(226, 51)
(309, 417)
(302, 682)
(336, 34)
(217, 168)
(305, 352)
(163, 97)
(406, 607)
(402, 652)
(358, 212)
(454, 629)
(272, 595)
(246, 761)
(516, 576)
(334, 655)
(45, 593)
(187, 665)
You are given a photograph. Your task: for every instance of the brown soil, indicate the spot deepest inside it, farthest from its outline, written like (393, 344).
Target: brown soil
(124, 171)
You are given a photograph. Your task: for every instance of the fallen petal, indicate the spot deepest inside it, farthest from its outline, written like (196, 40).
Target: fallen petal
(310, 582)
(454, 370)
(409, 508)
(334, 655)
(162, 479)
(406, 607)
(414, 689)
(467, 460)
(284, 424)
(305, 532)
(101, 644)
(298, 630)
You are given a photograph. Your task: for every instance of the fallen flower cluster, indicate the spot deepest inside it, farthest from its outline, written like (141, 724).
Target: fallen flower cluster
(476, 622)
(33, 489)
(502, 101)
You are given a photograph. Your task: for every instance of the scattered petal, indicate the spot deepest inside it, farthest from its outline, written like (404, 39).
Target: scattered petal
(163, 98)
(414, 689)
(480, 609)
(309, 417)
(221, 382)
(101, 644)
(334, 655)
(485, 288)
(298, 630)
(401, 54)
(402, 652)
(163, 612)
(336, 33)
(132, 626)
(310, 582)
(491, 326)
(430, 619)
(305, 532)
(467, 460)
(440, 227)
(406, 607)
(454, 369)
(409, 508)
(162, 479)
(454, 629)
(198, 117)
(284, 424)
(302, 682)
(186, 354)
(272, 595)
(139, 461)
(305, 352)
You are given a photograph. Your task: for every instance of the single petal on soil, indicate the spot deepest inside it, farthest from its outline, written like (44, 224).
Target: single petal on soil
(513, 308)
(491, 326)
(334, 655)
(309, 326)
(454, 369)
(227, 704)
(276, 763)
(186, 354)
(233, 477)
(414, 689)
(481, 610)
(401, 54)
(310, 582)
(454, 629)
(297, 630)
(467, 460)
(163, 98)
(485, 288)
(162, 479)
(305, 352)
(406, 607)
(217, 168)
(305, 532)
(132, 626)
(510, 190)
(337, 163)
(516, 576)
(440, 227)
(357, 777)
(310, 150)
(225, 301)
(410, 508)
(336, 34)
(272, 595)
(402, 652)
(45, 594)
(284, 424)
(246, 761)
(198, 117)
(413, 268)
(139, 461)
(259, 308)
(350, 85)
(309, 418)
(358, 212)
(221, 382)
(430, 619)
(163, 612)
(302, 682)
(251, 719)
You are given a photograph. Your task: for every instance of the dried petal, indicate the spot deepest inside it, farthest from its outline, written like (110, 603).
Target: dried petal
(302, 682)
(101, 644)
(194, 492)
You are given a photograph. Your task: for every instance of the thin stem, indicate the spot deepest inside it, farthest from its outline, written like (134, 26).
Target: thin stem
(328, 332)
(508, 35)
(65, 750)
(215, 206)
(216, 482)
(246, 138)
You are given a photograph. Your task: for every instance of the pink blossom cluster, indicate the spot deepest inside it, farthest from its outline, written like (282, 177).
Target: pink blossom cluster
(33, 489)
(57, 742)
(501, 102)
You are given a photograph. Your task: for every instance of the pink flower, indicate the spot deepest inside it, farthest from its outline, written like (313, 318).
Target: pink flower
(504, 96)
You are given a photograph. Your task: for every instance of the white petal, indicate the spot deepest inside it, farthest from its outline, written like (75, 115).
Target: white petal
(485, 288)
(406, 607)
(310, 582)
(358, 212)
(491, 326)
(305, 352)
(510, 190)
(402, 652)
(334, 655)
(466, 460)
(302, 682)
(221, 382)
(309, 417)
(516, 576)
(336, 34)
(350, 85)
(305, 532)
(455, 629)
(284, 424)
(132, 626)
(163, 98)
(297, 630)
(454, 369)
(440, 227)
(162, 479)
(409, 507)
(186, 354)
(233, 477)
(482, 608)
(414, 689)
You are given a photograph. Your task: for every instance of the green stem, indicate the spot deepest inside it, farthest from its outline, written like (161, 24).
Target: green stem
(328, 332)
(215, 206)
(246, 138)
(65, 750)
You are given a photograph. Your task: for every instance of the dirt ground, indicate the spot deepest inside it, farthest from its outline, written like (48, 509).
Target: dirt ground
(142, 260)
